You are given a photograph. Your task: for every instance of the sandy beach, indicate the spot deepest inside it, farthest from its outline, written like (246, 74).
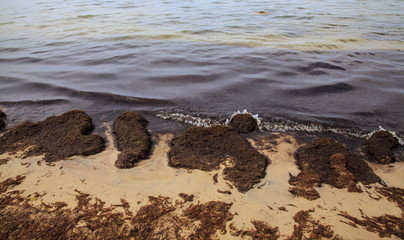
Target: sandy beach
(267, 211)
(201, 119)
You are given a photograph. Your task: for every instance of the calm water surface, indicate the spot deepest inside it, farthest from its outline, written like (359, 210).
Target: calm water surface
(303, 65)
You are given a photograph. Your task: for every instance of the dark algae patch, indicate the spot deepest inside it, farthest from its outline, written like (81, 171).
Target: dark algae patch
(327, 161)
(19, 219)
(207, 148)
(58, 137)
(385, 225)
(308, 228)
(212, 215)
(146, 219)
(132, 138)
(10, 182)
(393, 194)
(262, 230)
(187, 197)
(379, 147)
(243, 123)
(91, 219)
(3, 117)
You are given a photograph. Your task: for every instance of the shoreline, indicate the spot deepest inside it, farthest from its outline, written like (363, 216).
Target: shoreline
(136, 189)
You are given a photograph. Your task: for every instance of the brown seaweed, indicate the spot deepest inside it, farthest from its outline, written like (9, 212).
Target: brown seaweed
(243, 123)
(132, 138)
(207, 148)
(327, 161)
(58, 137)
(379, 147)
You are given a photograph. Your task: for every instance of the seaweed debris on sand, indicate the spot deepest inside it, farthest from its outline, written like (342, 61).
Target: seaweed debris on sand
(385, 225)
(207, 148)
(308, 228)
(20, 218)
(393, 194)
(10, 182)
(58, 137)
(243, 123)
(212, 215)
(327, 161)
(379, 147)
(132, 138)
(262, 230)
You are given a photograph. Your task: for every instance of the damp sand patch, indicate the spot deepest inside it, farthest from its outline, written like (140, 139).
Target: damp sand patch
(57, 137)
(207, 148)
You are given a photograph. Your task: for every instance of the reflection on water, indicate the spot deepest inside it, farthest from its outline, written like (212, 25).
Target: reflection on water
(323, 62)
(309, 24)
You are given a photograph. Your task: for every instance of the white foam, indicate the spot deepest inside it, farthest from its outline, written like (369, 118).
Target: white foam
(255, 116)
(192, 120)
(400, 140)
(276, 125)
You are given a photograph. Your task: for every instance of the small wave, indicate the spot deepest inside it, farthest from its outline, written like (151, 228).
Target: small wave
(273, 124)
(7, 79)
(109, 60)
(6, 23)
(188, 119)
(109, 97)
(395, 134)
(10, 49)
(255, 116)
(323, 89)
(163, 36)
(58, 44)
(285, 125)
(36, 102)
(20, 60)
(183, 79)
(95, 96)
(86, 16)
(324, 65)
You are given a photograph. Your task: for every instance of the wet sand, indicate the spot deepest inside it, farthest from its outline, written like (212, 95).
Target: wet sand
(268, 210)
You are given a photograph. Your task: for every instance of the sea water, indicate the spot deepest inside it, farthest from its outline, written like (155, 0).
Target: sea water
(306, 65)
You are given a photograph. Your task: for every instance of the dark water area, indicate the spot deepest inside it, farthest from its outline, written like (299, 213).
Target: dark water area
(300, 85)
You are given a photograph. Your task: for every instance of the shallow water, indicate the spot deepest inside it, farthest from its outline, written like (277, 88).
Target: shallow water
(300, 65)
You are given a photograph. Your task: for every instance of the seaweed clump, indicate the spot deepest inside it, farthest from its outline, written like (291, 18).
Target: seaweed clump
(327, 161)
(379, 147)
(132, 138)
(58, 137)
(207, 148)
(243, 123)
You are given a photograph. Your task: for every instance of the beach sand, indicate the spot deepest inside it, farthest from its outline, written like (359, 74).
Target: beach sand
(269, 201)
